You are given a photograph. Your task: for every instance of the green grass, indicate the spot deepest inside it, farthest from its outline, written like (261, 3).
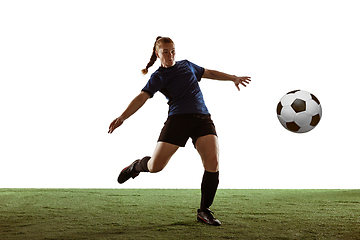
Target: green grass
(171, 214)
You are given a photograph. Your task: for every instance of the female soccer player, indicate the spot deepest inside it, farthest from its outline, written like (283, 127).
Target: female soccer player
(188, 118)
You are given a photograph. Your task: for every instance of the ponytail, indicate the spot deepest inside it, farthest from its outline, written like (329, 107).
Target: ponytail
(158, 42)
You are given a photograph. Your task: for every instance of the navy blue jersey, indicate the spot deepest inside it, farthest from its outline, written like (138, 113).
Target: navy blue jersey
(180, 86)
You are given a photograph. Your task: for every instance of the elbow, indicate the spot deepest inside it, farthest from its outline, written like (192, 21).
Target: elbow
(145, 95)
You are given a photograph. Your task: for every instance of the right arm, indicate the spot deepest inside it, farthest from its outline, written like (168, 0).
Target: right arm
(135, 105)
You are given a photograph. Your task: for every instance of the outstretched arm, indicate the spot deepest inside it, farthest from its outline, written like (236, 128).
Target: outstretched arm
(212, 74)
(135, 105)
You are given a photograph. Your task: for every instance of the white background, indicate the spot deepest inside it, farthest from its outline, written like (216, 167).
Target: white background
(68, 68)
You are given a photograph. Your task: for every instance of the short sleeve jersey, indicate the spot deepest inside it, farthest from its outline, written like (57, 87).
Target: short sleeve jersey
(180, 86)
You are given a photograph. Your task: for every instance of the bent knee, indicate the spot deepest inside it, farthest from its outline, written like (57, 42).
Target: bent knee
(154, 168)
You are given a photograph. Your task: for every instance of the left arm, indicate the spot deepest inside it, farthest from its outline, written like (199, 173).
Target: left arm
(216, 75)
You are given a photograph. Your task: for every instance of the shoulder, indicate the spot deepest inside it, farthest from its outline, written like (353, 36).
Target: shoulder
(189, 63)
(156, 74)
(155, 77)
(182, 63)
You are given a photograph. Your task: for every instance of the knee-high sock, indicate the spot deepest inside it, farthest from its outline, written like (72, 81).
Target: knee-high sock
(142, 165)
(209, 186)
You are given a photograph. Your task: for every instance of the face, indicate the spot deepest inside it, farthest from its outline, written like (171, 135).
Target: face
(166, 54)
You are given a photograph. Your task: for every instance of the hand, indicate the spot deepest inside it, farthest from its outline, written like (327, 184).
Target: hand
(115, 124)
(242, 81)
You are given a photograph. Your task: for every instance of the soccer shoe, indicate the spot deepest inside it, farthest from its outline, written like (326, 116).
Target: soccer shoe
(207, 217)
(128, 172)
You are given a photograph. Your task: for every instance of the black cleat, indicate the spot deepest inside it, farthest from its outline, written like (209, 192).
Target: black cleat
(207, 217)
(128, 172)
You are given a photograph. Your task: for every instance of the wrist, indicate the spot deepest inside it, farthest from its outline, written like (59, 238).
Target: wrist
(122, 118)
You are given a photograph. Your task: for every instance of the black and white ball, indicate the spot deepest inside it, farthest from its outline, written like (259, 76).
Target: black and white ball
(299, 111)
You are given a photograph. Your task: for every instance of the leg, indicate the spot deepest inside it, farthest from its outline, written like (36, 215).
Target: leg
(156, 163)
(208, 149)
(162, 154)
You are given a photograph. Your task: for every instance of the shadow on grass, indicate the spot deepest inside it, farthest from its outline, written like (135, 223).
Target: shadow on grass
(175, 230)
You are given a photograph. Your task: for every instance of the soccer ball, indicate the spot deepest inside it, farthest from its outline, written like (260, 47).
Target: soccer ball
(299, 111)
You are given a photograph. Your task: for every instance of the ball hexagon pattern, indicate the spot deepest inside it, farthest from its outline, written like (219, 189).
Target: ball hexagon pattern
(299, 111)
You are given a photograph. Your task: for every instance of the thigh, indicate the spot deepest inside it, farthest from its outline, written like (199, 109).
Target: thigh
(208, 148)
(162, 154)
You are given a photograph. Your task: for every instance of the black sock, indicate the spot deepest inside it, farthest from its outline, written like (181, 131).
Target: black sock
(142, 165)
(209, 186)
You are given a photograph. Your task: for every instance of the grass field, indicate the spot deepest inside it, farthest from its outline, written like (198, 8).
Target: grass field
(171, 214)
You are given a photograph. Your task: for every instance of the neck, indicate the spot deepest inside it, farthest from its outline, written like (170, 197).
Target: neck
(167, 66)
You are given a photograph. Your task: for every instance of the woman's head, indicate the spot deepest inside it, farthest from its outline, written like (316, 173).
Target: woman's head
(164, 49)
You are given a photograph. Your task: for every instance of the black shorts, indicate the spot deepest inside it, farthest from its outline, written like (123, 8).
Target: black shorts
(178, 128)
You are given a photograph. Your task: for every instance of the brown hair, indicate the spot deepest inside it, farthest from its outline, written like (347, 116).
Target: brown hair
(158, 42)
